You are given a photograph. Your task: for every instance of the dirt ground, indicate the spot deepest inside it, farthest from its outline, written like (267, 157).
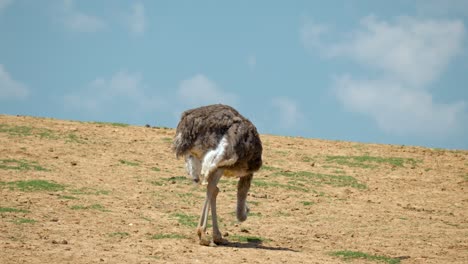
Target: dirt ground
(76, 192)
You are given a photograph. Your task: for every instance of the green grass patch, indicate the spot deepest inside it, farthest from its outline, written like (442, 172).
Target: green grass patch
(339, 172)
(88, 191)
(274, 184)
(16, 130)
(23, 131)
(46, 133)
(249, 239)
(255, 214)
(306, 159)
(167, 139)
(185, 195)
(97, 207)
(307, 203)
(21, 165)
(465, 177)
(281, 213)
(157, 183)
(73, 138)
(269, 168)
(349, 255)
(179, 179)
(282, 152)
(254, 203)
(33, 185)
(67, 197)
(188, 198)
(12, 210)
(111, 124)
(185, 219)
(24, 221)
(129, 163)
(146, 218)
(166, 236)
(319, 179)
(155, 169)
(119, 234)
(370, 162)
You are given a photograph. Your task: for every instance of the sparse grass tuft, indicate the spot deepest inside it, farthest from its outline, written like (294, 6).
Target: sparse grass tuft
(185, 219)
(318, 179)
(269, 168)
(33, 185)
(164, 236)
(465, 177)
(97, 207)
(157, 183)
(255, 214)
(307, 203)
(12, 210)
(24, 221)
(155, 169)
(23, 131)
(16, 130)
(282, 152)
(306, 159)
(348, 255)
(187, 198)
(67, 197)
(111, 124)
(119, 234)
(129, 163)
(370, 162)
(21, 165)
(73, 138)
(175, 179)
(274, 184)
(167, 139)
(88, 191)
(46, 133)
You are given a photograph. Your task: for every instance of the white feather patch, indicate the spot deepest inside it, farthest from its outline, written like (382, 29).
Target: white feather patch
(212, 159)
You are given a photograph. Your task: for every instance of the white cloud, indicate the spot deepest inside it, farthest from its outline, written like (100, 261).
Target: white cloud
(81, 22)
(289, 114)
(411, 50)
(397, 109)
(9, 88)
(4, 4)
(137, 20)
(124, 90)
(252, 62)
(199, 90)
(407, 55)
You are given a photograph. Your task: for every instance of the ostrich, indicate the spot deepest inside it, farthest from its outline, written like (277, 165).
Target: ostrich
(216, 140)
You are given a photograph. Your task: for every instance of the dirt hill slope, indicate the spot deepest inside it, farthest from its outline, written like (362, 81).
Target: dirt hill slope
(74, 192)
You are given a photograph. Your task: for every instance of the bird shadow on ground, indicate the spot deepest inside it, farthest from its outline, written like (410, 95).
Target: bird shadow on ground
(254, 243)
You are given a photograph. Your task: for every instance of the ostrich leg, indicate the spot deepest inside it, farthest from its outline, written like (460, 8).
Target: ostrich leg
(217, 237)
(211, 192)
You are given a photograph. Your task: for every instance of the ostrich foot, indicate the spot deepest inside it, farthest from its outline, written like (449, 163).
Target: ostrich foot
(220, 241)
(203, 237)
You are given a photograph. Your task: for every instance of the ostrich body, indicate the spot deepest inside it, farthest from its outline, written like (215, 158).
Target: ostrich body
(216, 140)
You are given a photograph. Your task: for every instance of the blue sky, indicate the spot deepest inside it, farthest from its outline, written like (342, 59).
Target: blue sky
(393, 72)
